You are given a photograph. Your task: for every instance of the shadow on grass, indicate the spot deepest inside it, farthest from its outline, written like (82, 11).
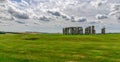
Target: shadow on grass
(31, 38)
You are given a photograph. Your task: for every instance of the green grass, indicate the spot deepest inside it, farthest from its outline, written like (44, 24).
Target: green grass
(59, 48)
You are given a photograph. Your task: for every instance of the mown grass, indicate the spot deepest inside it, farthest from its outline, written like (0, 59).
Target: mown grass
(59, 48)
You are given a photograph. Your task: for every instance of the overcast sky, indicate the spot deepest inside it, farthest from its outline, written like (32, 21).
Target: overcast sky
(53, 15)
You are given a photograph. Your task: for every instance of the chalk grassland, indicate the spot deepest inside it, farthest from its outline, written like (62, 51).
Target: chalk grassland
(59, 48)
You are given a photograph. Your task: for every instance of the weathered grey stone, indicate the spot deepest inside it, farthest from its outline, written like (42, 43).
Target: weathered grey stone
(86, 30)
(63, 30)
(93, 30)
(79, 30)
(103, 30)
(89, 30)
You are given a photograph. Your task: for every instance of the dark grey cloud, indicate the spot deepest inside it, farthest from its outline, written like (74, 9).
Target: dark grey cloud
(59, 14)
(1, 1)
(44, 18)
(17, 13)
(101, 16)
(65, 17)
(21, 16)
(54, 13)
(115, 11)
(72, 19)
(21, 22)
(82, 19)
(94, 22)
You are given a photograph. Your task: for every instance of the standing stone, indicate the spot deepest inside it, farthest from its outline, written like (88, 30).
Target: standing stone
(63, 30)
(76, 30)
(72, 30)
(89, 30)
(67, 30)
(93, 30)
(86, 30)
(80, 30)
(103, 30)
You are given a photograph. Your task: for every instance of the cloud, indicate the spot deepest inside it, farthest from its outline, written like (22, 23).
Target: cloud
(78, 19)
(82, 19)
(20, 22)
(95, 22)
(54, 13)
(31, 9)
(101, 16)
(59, 14)
(44, 18)
(17, 13)
(65, 17)
(72, 19)
(2, 1)
(24, 3)
(115, 11)
(98, 3)
(3, 13)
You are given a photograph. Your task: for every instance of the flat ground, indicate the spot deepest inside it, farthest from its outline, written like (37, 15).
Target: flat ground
(59, 48)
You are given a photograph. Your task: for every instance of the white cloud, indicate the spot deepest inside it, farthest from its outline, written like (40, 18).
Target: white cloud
(79, 19)
(115, 11)
(18, 13)
(98, 3)
(64, 11)
(64, 8)
(54, 13)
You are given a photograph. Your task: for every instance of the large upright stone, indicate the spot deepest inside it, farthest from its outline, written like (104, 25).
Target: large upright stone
(71, 30)
(86, 30)
(76, 30)
(89, 30)
(63, 31)
(93, 30)
(68, 30)
(103, 30)
(80, 30)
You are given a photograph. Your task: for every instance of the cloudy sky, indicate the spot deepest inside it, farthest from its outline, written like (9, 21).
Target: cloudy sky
(53, 15)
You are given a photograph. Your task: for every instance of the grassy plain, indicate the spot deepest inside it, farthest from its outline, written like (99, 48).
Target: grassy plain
(59, 48)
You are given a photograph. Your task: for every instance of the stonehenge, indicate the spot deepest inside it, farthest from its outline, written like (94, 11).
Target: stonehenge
(79, 30)
(90, 30)
(73, 30)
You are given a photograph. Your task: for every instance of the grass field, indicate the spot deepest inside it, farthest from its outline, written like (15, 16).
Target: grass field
(59, 48)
